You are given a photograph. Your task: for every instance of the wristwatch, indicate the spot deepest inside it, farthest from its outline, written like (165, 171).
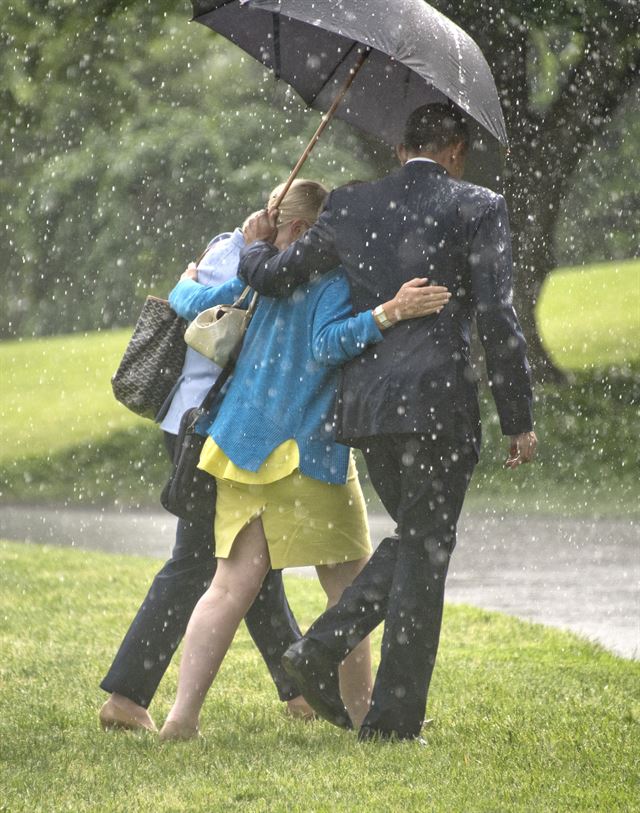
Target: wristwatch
(381, 317)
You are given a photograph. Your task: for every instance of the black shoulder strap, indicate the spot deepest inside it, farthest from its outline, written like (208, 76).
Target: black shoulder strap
(218, 384)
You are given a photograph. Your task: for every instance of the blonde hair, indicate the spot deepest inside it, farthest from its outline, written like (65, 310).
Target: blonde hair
(303, 201)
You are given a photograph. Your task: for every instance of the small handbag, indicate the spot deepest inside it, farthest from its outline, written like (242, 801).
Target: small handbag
(152, 361)
(190, 491)
(218, 331)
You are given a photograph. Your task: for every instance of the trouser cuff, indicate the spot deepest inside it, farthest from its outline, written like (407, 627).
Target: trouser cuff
(113, 686)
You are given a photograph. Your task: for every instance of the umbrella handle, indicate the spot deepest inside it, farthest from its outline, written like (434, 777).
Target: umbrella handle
(323, 123)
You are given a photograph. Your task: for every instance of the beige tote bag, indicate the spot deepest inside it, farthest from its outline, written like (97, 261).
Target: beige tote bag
(218, 331)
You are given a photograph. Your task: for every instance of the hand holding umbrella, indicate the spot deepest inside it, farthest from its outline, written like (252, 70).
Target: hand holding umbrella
(261, 225)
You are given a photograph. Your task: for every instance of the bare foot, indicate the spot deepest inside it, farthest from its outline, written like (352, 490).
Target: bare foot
(175, 731)
(300, 709)
(121, 713)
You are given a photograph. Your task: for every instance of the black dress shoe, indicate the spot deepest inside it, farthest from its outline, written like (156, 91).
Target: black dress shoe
(316, 675)
(369, 734)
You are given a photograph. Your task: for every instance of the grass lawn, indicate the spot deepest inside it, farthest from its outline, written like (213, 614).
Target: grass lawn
(525, 718)
(57, 393)
(591, 316)
(64, 438)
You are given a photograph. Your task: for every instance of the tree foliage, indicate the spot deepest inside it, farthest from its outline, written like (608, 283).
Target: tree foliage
(563, 69)
(129, 137)
(132, 137)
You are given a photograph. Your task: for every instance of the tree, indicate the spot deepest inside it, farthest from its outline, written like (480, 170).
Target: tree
(562, 69)
(129, 139)
(600, 217)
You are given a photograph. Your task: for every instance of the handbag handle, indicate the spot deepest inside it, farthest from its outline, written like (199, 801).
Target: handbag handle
(243, 296)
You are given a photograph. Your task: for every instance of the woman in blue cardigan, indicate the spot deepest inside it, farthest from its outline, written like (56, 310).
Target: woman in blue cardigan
(287, 493)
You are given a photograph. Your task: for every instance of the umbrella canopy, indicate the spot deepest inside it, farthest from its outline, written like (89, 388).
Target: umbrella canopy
(415, 55)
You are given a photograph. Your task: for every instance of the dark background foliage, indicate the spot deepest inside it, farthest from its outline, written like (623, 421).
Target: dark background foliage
(130, 136)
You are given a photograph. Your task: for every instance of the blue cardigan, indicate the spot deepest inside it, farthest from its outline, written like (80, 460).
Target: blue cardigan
(286, 379)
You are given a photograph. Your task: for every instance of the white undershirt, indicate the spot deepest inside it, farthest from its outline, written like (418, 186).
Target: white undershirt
(430, 160)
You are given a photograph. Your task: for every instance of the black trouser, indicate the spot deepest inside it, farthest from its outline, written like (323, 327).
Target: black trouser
(158, 628)
(422, 484)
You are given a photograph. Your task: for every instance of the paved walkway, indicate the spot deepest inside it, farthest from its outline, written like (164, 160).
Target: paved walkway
(574, 574)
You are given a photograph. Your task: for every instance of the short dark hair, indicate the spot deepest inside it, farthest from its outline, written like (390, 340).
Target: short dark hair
(434, 127)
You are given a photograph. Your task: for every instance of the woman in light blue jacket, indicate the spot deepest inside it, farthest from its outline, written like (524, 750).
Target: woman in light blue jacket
(288, 494)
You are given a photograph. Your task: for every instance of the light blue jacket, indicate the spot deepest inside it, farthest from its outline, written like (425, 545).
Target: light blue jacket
(286, 379)
(218, 265)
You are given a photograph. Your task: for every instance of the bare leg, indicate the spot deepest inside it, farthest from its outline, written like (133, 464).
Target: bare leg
(213, 626)
(355, 670)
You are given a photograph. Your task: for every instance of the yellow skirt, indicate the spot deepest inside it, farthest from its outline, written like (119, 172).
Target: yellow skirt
(282, 461)
(305, 521)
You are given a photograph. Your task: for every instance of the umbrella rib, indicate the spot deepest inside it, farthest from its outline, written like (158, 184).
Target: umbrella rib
(214, 8)
(407, 82)
(275, 19)
(333, 73)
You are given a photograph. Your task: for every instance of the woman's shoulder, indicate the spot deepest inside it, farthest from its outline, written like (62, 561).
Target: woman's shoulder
(222, 243)
(332, 280)
(333, 285)
(225, 235)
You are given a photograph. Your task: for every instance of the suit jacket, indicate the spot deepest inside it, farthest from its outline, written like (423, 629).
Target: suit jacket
(416, 222)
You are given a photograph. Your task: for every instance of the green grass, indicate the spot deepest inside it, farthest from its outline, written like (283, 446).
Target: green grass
(56, 393)
(590, 317)
(64, 438)
(587, 458)
(525, 718)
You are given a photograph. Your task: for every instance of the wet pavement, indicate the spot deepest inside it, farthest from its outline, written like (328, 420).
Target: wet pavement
(579, 575)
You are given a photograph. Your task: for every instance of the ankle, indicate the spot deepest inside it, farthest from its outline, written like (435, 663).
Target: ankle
(174, 731)
(127, 704)
(183, 719)
(300, 709)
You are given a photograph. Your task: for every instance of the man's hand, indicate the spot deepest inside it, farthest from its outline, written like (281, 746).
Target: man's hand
(522, 449)
(190, 272)
(261, 226)
(416, 298)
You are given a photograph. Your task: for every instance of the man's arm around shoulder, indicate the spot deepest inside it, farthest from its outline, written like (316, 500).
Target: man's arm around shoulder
(278, 273)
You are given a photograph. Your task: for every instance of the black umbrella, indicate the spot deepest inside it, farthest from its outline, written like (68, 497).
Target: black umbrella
(385, 57)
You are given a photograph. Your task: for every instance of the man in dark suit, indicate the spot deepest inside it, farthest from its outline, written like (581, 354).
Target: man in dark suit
(410, 403)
